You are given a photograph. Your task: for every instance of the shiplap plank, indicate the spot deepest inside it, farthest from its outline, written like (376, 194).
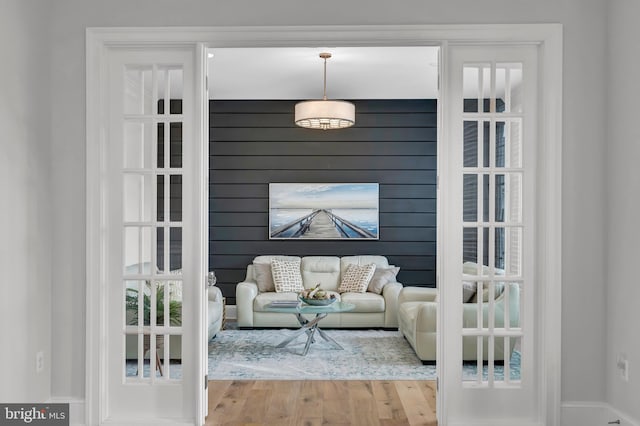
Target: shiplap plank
(322, 176)
(267, 134)
(406, 205)
(284, 119)
(336, 161)
(310, 148)
(262, 219)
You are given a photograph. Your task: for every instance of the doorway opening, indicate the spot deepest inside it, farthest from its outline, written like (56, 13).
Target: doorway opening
(254, 143)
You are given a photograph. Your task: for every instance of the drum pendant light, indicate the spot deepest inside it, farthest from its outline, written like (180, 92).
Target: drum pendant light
(325, 114)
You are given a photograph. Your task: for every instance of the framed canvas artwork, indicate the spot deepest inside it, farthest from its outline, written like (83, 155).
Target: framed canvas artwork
(324, 211)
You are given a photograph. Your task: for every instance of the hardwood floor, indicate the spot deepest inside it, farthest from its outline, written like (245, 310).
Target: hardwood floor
(314, 402)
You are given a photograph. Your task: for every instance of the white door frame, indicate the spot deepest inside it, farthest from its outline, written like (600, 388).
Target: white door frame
(548, 38)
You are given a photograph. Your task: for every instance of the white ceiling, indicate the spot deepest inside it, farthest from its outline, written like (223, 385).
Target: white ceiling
(296, 73)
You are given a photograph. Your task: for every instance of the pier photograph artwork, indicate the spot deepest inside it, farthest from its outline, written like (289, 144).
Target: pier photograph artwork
(323, 211)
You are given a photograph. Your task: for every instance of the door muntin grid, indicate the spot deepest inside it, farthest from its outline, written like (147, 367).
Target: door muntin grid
(152, 223)
(493, 224)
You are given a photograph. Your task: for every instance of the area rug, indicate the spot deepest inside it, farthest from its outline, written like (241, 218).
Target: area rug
(367, 355)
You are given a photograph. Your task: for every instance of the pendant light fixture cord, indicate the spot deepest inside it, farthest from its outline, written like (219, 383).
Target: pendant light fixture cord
(325, 56)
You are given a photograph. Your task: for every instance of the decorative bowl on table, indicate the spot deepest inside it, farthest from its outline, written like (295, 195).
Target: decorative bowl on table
(318, 302)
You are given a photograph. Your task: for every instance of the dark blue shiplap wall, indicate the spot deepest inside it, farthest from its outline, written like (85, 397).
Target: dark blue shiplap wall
(253, 143)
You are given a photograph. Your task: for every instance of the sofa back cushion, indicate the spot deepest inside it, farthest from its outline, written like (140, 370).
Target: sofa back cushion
(380, 262)
(321, 269)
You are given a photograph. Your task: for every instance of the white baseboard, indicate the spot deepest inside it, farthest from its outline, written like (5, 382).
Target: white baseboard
(593, 413)
(76, 409)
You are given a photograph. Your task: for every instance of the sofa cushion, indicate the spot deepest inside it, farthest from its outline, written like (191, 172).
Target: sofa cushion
(365, 302)
(379, 261)
(381, 277)
(356, 278)
(264, 277)
(286, 275)
(323, 270)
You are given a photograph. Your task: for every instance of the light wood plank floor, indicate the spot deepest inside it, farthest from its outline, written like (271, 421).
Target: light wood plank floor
(314, 402)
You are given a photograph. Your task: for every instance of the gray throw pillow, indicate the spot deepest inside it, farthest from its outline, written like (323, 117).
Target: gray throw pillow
(381, 277)
(264, 278)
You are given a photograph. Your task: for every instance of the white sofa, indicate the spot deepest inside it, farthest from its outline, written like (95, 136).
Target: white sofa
(418, 318)
(214, 323)
(372, 310)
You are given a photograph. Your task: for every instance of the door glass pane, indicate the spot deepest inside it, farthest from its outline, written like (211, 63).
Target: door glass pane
(133, 315)
(160, 145)
(509, 87)
(476, 87)
(160, 248)
(176, 145)
(137, 249)
(499, 202)
(160, 207)
(175, 303)
(175, 248)
(470, 144)
(175, 208)
(175, 87)
(137, 197)
(513, 144)
(500, 144)
(137, 145)
(486, 141)
(137, 303)
(508, 197)
(163, 81)
(131, 356)
(470, 198)
(138, 90)
(470, 244)
(509, 250)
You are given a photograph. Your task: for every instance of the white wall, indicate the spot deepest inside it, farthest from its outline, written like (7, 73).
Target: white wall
(584, 114)
(25, 201)
(623, 201)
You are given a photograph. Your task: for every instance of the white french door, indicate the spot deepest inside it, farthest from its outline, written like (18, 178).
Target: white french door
(488, 192)
(154, 268)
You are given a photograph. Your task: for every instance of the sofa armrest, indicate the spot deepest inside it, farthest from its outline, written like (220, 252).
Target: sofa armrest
(390, 293)
(470, 310)
(214, 311)
(427, 317)
(215, 295)
(417, 294)
(246, 292)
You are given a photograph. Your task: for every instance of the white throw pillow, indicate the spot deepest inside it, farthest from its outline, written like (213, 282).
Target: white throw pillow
(286, 276)
(356, 278)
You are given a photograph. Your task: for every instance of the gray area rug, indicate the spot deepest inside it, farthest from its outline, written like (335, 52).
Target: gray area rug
(367, 355)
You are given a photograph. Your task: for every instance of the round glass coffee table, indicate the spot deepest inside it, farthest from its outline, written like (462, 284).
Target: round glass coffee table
(310, 327)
